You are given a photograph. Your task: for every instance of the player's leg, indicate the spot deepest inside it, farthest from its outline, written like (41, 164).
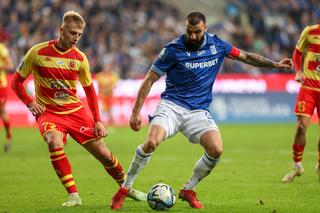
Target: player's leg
(304, 108)
(61, 165)
(298, 148)
(318, 162)
(141, 157)
(164, 124)
(112, 165)
(212, 144)
(6, 123)
(53, 132)
(199, 127)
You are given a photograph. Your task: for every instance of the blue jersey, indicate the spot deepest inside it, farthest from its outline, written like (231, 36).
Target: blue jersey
(190, 75)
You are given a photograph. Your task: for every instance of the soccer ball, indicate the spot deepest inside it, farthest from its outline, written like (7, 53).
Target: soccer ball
(161, 197)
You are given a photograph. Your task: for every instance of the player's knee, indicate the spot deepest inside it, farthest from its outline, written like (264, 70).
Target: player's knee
(301, 128)
(150, 145)
(54, 141)
(214, 151)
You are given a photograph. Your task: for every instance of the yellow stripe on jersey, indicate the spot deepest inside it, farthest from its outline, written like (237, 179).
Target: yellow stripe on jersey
(55, 62)
(69, 111)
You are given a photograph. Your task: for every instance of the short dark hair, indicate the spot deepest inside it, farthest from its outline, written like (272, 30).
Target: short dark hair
(194, 18)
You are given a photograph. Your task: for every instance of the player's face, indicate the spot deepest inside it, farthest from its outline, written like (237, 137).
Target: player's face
(70, 34)
(195, 34)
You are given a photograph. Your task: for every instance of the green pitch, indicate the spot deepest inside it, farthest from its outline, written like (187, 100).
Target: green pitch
(248, 179)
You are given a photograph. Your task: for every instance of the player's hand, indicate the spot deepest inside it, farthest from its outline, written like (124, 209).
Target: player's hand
(36, 109)
(300, 77)
(135, 122)
(285, 63)
(99, 130)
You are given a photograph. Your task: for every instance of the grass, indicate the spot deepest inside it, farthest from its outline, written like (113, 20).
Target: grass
(248, 178)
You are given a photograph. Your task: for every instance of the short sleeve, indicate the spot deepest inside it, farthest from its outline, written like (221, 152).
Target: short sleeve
(28, 64)
(164, 62)
(227, 46)
(84, 73)
(303, 40)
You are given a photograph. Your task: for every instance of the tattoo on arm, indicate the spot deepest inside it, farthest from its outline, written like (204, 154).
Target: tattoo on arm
(256, 60)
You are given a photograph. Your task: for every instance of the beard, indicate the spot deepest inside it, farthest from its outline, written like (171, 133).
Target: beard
(193, 46)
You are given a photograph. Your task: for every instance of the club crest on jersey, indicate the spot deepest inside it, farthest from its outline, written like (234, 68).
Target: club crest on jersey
(213, 49)
(71, 64)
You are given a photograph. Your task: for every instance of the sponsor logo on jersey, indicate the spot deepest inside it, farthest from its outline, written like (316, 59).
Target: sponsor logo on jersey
(47, 58)
(188, 53)
(202, 52)
(84, 129)
(60, 62)
(204, 64)
(213, 49)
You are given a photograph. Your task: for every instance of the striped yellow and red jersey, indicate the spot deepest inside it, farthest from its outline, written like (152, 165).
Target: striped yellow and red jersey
(56, 75)
(309, 42)
(4, 53)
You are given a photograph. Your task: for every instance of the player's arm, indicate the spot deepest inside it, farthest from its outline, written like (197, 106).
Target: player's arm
(24, 70)
(298, 54)
(297, 62)
(92, 99)
(260, 61)
(135, 120)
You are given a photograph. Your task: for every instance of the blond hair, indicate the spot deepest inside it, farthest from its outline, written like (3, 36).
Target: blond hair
(73, 16)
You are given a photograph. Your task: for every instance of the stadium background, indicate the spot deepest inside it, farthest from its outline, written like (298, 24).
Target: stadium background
(124, 38)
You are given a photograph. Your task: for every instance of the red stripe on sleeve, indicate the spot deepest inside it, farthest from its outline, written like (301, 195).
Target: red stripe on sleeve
(92, 102)
(235, 52)
(20, 91)
(297, 60)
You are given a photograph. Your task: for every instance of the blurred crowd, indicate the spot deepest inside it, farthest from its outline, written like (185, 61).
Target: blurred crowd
(269, 28)
(121, 35)
(126, 36)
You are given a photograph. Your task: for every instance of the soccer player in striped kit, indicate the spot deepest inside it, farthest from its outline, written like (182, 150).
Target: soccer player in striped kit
(6, 65)
(190, 63)
(308, 74)
(57, 66)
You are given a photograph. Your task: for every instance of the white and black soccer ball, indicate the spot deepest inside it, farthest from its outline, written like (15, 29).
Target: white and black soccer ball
(161, 197)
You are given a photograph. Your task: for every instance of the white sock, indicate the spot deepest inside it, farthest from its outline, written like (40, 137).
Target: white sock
(298, 164)
(201, 170)
(139, 161)
(74, 194)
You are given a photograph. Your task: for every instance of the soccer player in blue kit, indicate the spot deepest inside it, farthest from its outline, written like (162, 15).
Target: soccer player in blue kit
(190, 63)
